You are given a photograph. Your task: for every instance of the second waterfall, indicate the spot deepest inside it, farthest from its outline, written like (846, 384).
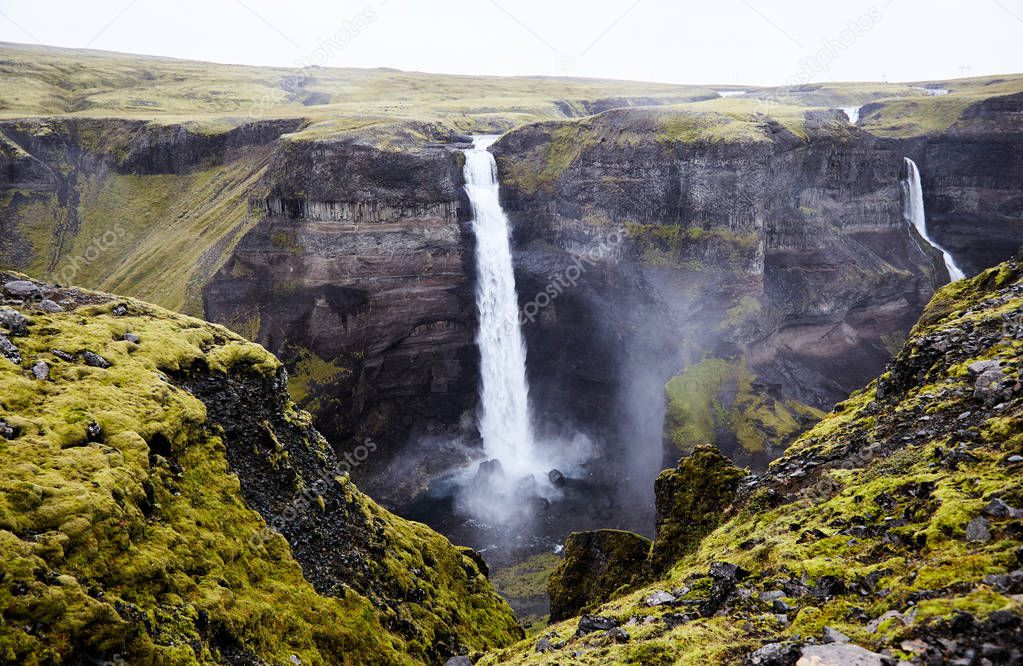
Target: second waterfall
(504, 418)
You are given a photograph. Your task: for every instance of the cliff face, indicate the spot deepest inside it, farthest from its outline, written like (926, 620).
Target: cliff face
(971, 176)
(360, 275)
(774, 251)
(348, 257)
(890, 532)
(145, 208)
(164, 500)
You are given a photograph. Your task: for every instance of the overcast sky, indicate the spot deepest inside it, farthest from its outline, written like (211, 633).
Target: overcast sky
(762, 42)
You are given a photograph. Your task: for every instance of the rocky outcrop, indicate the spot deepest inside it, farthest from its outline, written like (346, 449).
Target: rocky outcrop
(163, 497)
(887, 533)
(596, 565)
(691, 501)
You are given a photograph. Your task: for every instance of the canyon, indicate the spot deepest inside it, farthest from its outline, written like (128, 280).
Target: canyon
(690, 268)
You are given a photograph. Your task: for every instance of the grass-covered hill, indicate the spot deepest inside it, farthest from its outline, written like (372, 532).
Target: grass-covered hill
(891, 531)
(46, 81)
(145, 457)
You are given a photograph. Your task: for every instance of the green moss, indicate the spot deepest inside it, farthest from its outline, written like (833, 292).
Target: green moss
(596, 565)
(107, 548)
(310, 372)
(527, 578)
(691, 501)
(882, 470)
(716, 395)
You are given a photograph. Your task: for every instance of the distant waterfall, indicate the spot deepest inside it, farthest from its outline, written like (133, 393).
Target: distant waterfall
(915, 214)
(504, 401)
(852, 113)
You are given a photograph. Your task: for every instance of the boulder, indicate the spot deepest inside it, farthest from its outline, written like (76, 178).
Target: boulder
(95, 360)
(22, 289)
(590, 623)
(978, 530)
(41, 370)
(840, 654)
(691, 500)
(13, 321)
(596, 564)
(774, 654)
(9, 351)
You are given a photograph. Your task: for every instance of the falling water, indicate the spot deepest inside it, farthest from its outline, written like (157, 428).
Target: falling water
(504, 398)
(852, 113)
(915, 213)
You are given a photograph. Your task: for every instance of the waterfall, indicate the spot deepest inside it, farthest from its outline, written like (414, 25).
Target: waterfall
(852, 113)
(504, 419)
(914, 204)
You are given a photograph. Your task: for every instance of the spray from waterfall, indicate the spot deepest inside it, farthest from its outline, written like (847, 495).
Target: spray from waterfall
(915, 214)
(503, 483)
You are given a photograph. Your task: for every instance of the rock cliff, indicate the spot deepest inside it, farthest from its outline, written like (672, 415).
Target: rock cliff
(767, 258)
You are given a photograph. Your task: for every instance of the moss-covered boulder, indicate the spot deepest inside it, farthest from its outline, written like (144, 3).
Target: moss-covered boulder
(691, 500)
(596, 565)
(162, 501)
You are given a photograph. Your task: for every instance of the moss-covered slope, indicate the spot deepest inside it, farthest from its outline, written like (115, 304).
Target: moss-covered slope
(894, 524)
(144, 456)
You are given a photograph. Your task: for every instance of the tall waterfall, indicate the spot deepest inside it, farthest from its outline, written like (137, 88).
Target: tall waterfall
(915, 213)
(504, 418)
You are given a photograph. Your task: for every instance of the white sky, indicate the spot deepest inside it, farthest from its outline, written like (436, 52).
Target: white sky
(761, 42)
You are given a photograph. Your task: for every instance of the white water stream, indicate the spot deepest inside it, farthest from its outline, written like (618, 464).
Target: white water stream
(915, 214)
(504, 418)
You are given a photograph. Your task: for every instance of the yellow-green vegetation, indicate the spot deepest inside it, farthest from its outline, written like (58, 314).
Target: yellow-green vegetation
(718, 395)
(691, 501)
(597, 565)
(158, 237)
(835, 94)
(524, 585)
(870, 537)
(711, 121)
(913, 116)
(50, 81)
(729, 119)
(527, 578)
(311, 372)
(124, 533)
(695, 248)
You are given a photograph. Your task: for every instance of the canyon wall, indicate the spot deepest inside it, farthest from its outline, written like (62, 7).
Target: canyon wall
(729, 274)
(972, 177)
(360, 274)
(761, 271)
